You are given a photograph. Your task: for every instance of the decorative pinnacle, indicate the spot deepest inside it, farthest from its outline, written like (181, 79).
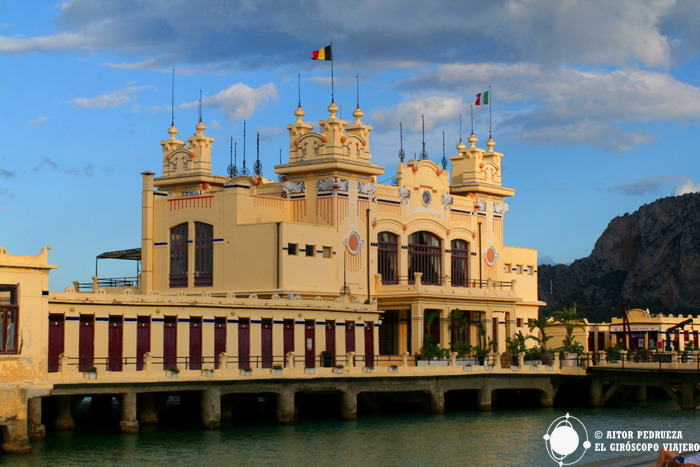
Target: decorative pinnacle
(472, 140)
(333, 109)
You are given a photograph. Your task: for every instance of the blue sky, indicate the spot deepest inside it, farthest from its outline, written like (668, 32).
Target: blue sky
(596, 104)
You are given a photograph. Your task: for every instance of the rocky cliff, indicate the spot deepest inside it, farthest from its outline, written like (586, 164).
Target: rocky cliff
(648, 259)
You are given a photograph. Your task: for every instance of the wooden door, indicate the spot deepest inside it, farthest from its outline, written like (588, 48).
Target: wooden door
(288, 338)
(116, 343)
(219, 339)
(143, 339)
(86, 342)
(349, 336)
(244, 343)
(330, 337)
(601, 341)
(169, 342)
(195, 342)
(310, 342)
(56, 340)
(369, 343)
(266, 343)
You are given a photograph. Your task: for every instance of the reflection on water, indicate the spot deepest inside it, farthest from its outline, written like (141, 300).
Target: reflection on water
(506, 437)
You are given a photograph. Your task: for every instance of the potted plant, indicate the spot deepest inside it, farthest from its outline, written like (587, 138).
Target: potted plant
(90, 373)
(338, 369)
(393, 369)
(276, 369)
(327, 358)
(246, 371)
(367, 369)
(172, 372)
(207, 372)
(309, 369)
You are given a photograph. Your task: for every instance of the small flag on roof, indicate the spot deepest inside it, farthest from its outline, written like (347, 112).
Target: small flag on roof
(482, 98)
(322, 54)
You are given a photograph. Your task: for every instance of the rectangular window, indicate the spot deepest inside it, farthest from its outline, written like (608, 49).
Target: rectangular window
(528, 270)
(327, 252)
(517, 269)
(292, 249)
(507, 268)
(203, 255)
(9, 318)
(311, 250)
(519, 322)
(178, 256)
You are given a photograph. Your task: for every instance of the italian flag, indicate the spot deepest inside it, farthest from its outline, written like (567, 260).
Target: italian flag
(482, 98)
(322, 54)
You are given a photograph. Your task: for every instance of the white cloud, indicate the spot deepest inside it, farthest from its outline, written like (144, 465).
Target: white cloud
(435, 109)
(39, 121)
(602, 32)
(569, 105)
(239, 101)
(688, 186)
(110, 100)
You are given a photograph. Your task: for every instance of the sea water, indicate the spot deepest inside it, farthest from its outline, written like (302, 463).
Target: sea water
(501, 437)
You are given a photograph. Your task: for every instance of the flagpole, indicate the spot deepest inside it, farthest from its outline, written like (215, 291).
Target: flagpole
(471, 108)
(490, 105)
(332, 87)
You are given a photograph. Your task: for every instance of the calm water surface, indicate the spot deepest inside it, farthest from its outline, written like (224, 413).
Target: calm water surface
(506, 437)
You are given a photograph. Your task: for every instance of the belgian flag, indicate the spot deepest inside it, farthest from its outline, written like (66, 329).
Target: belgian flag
(322, 54)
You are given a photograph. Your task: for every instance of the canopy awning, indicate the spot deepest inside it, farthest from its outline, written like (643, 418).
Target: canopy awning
(133, 254)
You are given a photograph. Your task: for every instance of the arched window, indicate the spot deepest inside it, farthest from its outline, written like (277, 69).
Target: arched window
(203, 254)
(388, 257)
(460, 263)
(424, 255)
(178, 256)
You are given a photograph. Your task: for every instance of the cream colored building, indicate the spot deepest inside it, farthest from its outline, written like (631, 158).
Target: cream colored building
(433, 243)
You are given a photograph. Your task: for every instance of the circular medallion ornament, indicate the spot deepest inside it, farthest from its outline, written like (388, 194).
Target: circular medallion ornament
(491, 256)
(353, 243)
(426, 197)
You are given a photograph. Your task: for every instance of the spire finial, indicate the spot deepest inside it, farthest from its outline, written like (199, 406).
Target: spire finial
(357, 77)
(280, 176)
(402, 154)
(444, 159)
(232, 170)
(460, 128)
(172, 103)
(299, 88)
(200, 106)
(257, 167)
(423, 154)
(244, 169)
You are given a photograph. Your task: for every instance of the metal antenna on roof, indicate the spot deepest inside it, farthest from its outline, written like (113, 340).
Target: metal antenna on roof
(257, 167)
(357, 76)
(423, 155)
(299, 87)
(444, 159)
(232, 170)
(244, 169)
(402, 154)
(460, 127)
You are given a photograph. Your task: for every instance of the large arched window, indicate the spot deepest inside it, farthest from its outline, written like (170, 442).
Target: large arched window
(460, 263)
(388, 257)
(203, 254)
(424, 255)
(178, 256)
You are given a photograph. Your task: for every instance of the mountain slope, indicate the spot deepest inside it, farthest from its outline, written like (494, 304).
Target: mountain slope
(648, 259)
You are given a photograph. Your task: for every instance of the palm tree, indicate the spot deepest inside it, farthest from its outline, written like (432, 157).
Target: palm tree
(541, 325)
(571, 319)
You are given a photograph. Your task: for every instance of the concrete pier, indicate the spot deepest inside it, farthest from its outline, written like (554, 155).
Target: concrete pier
(211, 408)
(35, 429)
(129, 423)
(148, 415)
(15, 437)
(285, 406)
(64, 416)
(348, 405)
(437, 401)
